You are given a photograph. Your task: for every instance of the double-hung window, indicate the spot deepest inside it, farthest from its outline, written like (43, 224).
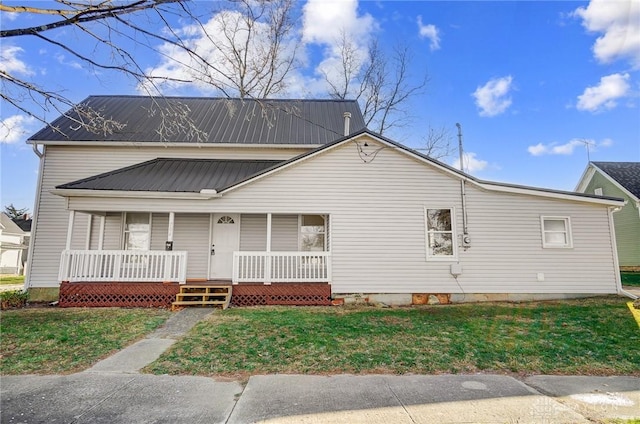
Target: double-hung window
(556, 232)
(137, 231)
(440, 234)
(312, 233)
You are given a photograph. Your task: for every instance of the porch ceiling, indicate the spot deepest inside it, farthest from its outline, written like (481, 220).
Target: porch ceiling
(174, 175)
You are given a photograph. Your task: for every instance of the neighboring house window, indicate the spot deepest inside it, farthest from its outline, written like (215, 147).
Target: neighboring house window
(440, 234)
(598, 191)
(312, 233)
(137, 231)
(556, 231)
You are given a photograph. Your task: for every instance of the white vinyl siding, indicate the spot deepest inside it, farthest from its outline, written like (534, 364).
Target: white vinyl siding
(378, 226)
(284, 233)
(63, 164)
(253, 233)
(191, 233)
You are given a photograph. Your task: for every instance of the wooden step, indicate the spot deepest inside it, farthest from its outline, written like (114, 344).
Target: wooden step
(203, 295)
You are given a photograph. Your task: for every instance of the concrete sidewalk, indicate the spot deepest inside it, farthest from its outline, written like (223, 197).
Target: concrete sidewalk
(113, 391)
(119, 398)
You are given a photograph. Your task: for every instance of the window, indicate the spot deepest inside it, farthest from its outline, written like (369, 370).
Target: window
(225, 220)
(440, 234)
(556, 231)
(137, 234)
(312, 233)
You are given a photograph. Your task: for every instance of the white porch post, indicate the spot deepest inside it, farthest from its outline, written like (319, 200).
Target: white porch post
(72, 215)
(267, 264)
(87, 240)
(168, 263)
(101, 235)
(172, 217)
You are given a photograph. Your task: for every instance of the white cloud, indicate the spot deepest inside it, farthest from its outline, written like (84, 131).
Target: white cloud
(324, 22)
(431, 32)
(604, 95)
(471, 163)
(493, 97)
(568, 147)
(14, 128)
(209, 42)
(619, 23)
(10, 63)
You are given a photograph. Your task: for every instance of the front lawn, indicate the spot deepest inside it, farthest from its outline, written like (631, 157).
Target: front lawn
(590, 336)
(51, 340)
(11, 279)
(630, 278)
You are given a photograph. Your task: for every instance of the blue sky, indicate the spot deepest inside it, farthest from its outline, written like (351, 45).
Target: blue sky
(530, 82)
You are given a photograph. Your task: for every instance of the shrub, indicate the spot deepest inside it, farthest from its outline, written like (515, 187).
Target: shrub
(13, 299)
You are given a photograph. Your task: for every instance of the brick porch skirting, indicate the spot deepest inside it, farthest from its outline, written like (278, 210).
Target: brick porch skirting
(154, 295)
(127, 295)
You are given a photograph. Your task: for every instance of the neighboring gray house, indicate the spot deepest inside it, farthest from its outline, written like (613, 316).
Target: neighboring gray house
(12, 246)
(294, 202)
(619, 179)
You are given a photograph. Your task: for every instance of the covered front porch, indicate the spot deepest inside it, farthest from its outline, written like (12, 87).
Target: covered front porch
(119, 256)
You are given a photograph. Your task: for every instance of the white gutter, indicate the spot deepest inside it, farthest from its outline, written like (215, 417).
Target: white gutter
(173, 144)
(203, 195)
(616, 263)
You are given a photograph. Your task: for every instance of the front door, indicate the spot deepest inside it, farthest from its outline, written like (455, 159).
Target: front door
(225, 239)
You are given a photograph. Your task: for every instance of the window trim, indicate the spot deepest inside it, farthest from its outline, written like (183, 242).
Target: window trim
(454, 236)
(567, 231)
(124, 231)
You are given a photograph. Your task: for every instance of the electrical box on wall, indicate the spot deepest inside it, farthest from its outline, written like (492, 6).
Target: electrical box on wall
(456, 269)
(466, 240)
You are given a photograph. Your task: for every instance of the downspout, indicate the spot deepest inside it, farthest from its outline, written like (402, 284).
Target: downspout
(34, 220)
(466, 240)
(616, 264)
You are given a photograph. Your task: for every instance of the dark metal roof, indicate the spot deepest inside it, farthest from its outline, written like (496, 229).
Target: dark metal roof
(627, 174)
(24, 224)
(174, 175)
(237, 121)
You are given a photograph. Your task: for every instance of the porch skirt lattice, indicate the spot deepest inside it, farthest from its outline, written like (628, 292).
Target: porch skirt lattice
(281, 294)
(145, 295)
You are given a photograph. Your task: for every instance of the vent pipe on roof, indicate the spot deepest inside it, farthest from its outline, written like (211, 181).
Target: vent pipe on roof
(347, 121)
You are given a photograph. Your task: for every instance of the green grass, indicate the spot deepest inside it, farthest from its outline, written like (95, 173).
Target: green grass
(48, 341)
(11, 279)
(630, 278)
(589, 336)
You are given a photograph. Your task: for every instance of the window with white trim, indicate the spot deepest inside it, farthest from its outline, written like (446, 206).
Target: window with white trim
(556, 232)
(312, 233)
(440, 234)
(137, 231)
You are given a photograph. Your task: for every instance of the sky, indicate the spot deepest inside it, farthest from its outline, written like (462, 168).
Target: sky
(539, 88)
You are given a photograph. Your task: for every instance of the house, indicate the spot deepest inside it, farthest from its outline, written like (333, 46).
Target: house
(24, 222)
(294, 202)
(12, 245)
(619, 179)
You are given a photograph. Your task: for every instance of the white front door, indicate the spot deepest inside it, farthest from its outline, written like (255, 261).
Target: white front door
(225, 239)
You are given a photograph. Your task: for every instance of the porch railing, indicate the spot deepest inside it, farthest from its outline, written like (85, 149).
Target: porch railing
(123, 265)
(281, 267)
